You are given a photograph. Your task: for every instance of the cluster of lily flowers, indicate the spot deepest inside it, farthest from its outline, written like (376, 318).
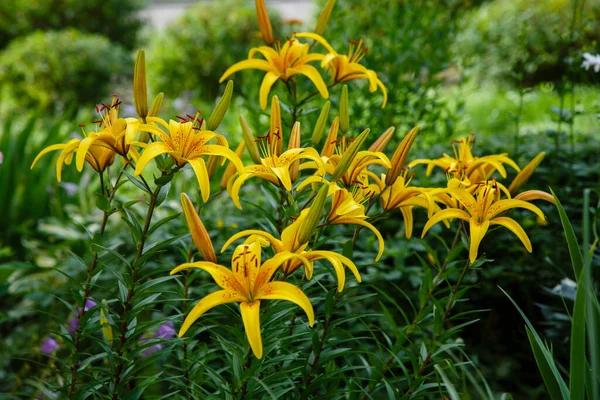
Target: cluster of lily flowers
(352, 180)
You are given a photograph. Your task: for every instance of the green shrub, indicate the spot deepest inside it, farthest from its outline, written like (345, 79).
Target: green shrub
(78, 71)
(409, 49)
(195, 50)
(116, 19)
(506, 38)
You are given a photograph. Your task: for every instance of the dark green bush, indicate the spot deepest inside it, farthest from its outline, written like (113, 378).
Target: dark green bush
(506, 38)
(194, 51)
(62, 69)
(116, 19)
(409, 49)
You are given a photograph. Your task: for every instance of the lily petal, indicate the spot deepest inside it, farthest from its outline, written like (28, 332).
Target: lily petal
(151, 152)
(277, 245)
(205, 304)
(289, 292)
(265, 87)
(199, 167)
(251, 319)
(443, 215)
(311, 73)
(248, 64)
(515, 228)
(506, 204)
(476, 232)
(222, 276)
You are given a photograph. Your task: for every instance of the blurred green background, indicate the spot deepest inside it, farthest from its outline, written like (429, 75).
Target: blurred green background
(508, 71)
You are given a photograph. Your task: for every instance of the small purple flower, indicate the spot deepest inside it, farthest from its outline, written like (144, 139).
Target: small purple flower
(166, 331)
(49, 346)
(1, 157)
(73, 321)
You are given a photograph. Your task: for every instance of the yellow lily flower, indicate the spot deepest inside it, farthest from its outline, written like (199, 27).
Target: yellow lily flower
(346, 67)
(483, 211)
(403, 197)
(273, 168)
(98, 148)
(346, 210)
(289, 243)
(247, 283)
(185, 143)
(281, 62)
(465, 165)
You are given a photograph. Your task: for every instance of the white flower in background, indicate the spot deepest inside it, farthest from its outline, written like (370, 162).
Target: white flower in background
(590, 60)
(566, 288)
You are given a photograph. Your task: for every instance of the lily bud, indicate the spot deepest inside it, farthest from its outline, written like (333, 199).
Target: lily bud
(313, 216)
(382, 141)
(320, 125)
(219, 112)
(344, 111)
(211, 165)
(294, 143)
(349, 155)
(275, 137)
(524, 175)
(264, 23)
(331, 140)
(400, 156)
(199, 234)
(231, 169)
(250, 141)
(156, 105)
(324, 17)
(530, 195)
(106, 328)
(140, 93)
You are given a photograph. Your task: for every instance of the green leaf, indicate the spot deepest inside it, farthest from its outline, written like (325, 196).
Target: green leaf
(136, 182)
(449, 386)
(576, 257)
(578, 359)
(102, 203)
(557, 388)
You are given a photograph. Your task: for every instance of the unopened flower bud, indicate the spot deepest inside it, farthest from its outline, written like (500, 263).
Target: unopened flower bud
(294, 143)
(140, 93)
(275, 137)
(264, 23)
(156, 105)
(524, 175)
(313, 216)
(231, 169)
(399, 156)
(106, 328)
(211, 165)
(320, 125)
(250, 141)
(344, 111)
(199, 234)
(219, 112)
(382, 141)
(324, 17)
(329, 146)
(349, 155)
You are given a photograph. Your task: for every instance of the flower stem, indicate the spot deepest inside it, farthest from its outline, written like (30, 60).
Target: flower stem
(130, 292)
(88, 280)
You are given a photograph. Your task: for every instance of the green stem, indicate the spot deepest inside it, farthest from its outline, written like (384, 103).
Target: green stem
(130, 293)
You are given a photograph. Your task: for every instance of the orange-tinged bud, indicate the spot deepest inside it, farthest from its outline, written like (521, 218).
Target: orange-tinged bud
(250, 141)
(524, 175)
(324, 17)
(198, 231)
(275, 136)
(329, 146)
(140, 92)
(399, 156)
(294, 143)
(531, 195)
(231, 170)
(264, 23)
(382, 141)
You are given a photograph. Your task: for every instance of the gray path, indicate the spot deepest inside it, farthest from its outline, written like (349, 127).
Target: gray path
(161, 14)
